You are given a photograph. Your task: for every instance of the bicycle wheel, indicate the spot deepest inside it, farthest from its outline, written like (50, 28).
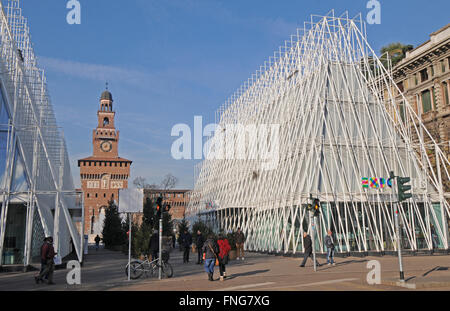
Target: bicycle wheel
(136, 270)
(153, 271)
(167, 269)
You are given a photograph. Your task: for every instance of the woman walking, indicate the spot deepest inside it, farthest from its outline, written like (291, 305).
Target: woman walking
(210, 252)
(225, 249)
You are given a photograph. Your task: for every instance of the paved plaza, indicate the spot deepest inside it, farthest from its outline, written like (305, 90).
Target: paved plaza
(105, 270)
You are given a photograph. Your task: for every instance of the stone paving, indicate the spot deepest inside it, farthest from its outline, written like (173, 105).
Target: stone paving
(105, 270)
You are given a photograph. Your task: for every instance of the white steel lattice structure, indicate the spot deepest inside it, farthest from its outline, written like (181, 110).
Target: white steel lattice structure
(324, 88)
(37, 197)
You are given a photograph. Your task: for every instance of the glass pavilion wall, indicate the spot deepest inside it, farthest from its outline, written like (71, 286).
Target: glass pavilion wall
(337, 127)
(37, 195)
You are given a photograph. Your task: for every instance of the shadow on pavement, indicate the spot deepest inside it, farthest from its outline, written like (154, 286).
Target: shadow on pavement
(410, 278)
(236, 275)
(343, 263)
(438, 268)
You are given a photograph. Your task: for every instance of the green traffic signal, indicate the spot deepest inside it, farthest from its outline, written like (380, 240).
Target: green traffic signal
(403, 188)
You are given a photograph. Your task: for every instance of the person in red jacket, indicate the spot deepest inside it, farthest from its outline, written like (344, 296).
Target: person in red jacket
(225, 249)
(47, 255)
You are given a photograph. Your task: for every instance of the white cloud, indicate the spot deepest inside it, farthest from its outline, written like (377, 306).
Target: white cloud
(98, 72)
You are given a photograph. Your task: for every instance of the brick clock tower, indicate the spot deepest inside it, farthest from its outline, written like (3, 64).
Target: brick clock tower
(104, 173)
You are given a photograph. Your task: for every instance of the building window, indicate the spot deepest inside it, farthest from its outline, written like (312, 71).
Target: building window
(445, 93)
(423, 75)
(432, 70)
(96, 195)
(426, 101)
(442, 66)
(415, 79)
(88, 195)
(434, 98)
(402, 111)
(400, 86)
(104, 195)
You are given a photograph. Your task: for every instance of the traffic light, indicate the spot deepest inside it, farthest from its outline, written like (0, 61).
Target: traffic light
(402, 188)
(316, 207)
(158, 207)
(158, 211)
(159, 201)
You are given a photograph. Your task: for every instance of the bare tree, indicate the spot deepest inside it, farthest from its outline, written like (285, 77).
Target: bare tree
(140, 183)
(168, 182)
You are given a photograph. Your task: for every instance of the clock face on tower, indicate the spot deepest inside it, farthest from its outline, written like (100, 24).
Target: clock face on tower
(106, 146)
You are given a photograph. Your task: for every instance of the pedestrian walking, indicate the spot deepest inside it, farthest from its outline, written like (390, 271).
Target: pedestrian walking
(308, 249)
(154, 244)
(199, 243)
(173, 240)
(224, 250)
(240, 240)
(47, 263)
(97, 242)
(43, 261)
(330, 248)
(210, 251)
(186, 242)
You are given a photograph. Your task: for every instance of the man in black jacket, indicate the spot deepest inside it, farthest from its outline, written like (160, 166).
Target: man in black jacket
(308, 249)
(154, 245)
(186, 241)
(199, 244)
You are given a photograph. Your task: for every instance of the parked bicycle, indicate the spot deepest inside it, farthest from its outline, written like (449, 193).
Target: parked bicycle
(147, 267)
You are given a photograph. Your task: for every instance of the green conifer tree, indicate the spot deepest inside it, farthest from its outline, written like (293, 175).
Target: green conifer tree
(113, 230)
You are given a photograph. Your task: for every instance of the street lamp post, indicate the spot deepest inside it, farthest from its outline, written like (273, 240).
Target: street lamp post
(312, 220)
(160, 245)
(129, 246)
(161, 211)
(399, 246)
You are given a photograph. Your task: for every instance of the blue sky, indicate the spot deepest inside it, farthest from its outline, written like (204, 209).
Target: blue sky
(167, 61)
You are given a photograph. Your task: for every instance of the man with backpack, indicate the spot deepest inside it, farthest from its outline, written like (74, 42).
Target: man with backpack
(211, 252)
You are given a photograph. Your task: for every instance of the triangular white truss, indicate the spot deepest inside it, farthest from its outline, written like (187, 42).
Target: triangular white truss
(338, 123)
(36, 172)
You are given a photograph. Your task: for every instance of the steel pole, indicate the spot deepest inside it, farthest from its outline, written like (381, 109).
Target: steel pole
(399, 249)
(160, 245)
(129, 246)
(312, 221)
